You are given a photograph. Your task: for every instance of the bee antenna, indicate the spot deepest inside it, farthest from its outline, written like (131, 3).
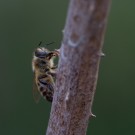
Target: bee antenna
(40, 43)
(49, 43)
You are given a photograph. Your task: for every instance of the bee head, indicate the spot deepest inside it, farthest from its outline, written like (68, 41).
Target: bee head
(41, 52)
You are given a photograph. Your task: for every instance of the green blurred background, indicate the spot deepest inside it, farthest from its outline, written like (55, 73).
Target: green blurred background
(23, 24)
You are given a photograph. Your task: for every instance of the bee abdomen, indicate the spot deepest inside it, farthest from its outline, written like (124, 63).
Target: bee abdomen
(46, 90)
(49, 98)
(47, 94)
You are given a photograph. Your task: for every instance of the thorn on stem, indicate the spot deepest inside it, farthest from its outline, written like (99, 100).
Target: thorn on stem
(92, 115)
(63, 31)
(101, 54)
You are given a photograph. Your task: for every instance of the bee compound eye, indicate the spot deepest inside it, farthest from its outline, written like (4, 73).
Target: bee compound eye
(40, 53)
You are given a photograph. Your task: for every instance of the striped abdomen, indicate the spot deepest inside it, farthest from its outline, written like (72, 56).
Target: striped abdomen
(46, 86)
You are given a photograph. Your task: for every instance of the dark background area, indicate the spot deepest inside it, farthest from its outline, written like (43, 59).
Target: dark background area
(23, 24)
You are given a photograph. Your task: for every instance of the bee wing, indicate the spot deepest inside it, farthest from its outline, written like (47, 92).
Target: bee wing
(36, 94)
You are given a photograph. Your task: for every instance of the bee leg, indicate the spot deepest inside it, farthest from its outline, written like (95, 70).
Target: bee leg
(53, 53)
(53, 74)
(57, 52)
(49, 55)
(55, 67)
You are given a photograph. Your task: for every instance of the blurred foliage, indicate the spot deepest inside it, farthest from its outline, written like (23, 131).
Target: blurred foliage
(23, 25)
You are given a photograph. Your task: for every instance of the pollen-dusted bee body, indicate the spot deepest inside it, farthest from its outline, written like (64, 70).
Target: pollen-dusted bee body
(44, 72)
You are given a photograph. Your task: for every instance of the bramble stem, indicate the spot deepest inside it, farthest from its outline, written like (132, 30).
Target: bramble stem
(78, 67)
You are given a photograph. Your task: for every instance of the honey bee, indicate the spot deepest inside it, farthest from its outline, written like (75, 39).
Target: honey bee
(44, 73)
